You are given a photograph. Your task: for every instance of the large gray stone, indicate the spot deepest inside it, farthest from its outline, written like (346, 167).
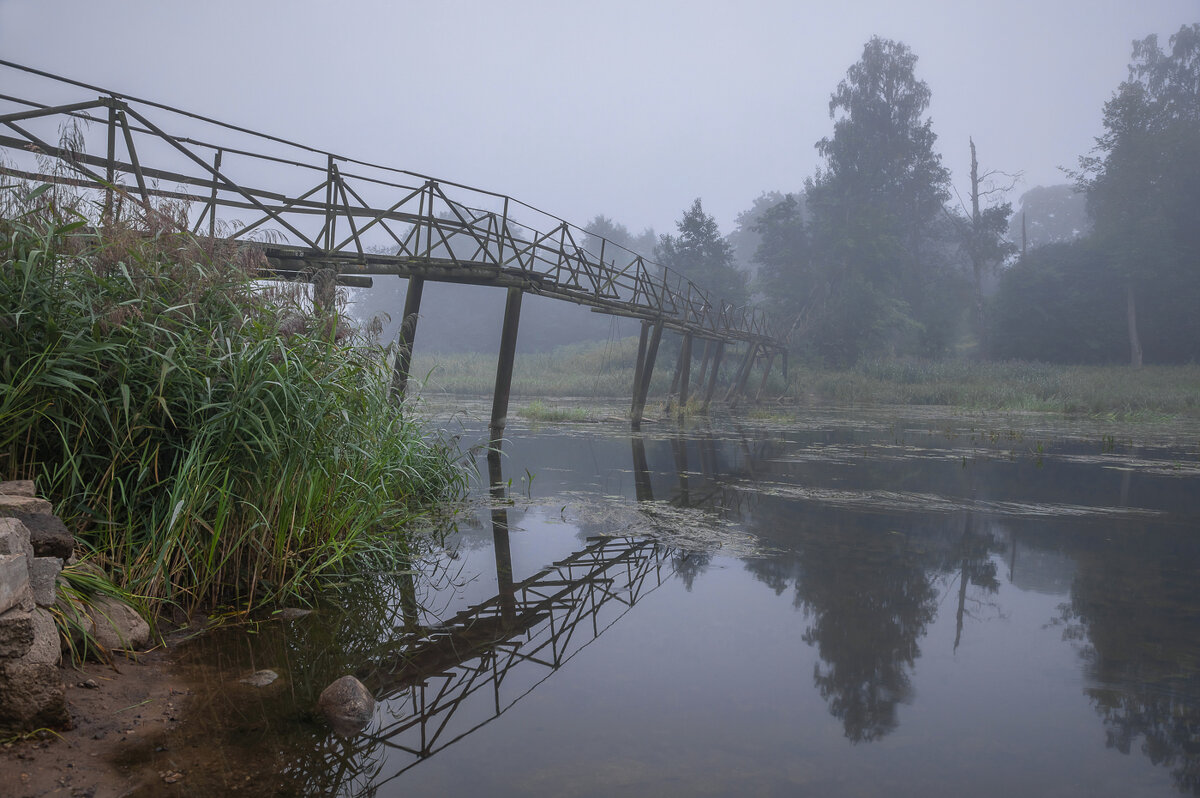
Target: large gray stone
(17, 487)
(14, 538)
(46, 648)
(16, 634)
(43, 576)
(47, 534)
(32, 696)
(116, 626)
(10, 505)
(347, 705)
(14, 580)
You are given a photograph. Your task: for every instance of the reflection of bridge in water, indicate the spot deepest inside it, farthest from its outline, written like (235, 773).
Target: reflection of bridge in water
(442, 682)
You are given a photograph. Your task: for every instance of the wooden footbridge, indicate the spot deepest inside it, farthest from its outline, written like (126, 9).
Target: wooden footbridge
(332, 220)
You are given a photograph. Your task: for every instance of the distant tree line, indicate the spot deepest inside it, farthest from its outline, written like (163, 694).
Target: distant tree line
(871, 258)
(1130, 287)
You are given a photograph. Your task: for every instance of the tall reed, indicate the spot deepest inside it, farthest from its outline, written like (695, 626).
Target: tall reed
(208, 440)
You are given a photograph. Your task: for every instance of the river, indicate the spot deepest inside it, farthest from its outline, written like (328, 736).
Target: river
(827, 602)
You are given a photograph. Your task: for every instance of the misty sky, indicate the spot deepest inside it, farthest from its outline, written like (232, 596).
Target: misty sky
(630, 109)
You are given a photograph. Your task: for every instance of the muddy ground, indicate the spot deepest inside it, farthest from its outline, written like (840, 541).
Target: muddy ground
(118, 711)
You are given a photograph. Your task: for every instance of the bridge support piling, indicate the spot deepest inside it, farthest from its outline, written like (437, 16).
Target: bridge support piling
(684, 370)
(766, 373)
(643, 337)
(641, 380)
(704, 361)
(504, 365)
(712, 379)
(408, 334)
(743, 374)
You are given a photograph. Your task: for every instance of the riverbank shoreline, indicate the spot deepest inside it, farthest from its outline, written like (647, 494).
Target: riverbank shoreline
(116, 710)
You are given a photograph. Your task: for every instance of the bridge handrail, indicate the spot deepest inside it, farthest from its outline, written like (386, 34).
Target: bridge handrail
(667, 295)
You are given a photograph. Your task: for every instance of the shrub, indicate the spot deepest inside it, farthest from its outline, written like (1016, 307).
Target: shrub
(206, 452)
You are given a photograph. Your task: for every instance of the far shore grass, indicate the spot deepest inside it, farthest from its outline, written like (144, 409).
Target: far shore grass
(606, 371)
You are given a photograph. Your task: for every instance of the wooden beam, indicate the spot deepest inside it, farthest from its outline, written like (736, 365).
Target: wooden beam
(712, 380)
(685, 370)
(647, 371)
(504, 366)
(408, 334)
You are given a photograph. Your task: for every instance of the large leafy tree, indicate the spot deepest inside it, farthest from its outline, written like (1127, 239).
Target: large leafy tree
(700, 254)
(789, 277)
(1049, 215)
(602, 227)
(874, 208)
(1143, 176)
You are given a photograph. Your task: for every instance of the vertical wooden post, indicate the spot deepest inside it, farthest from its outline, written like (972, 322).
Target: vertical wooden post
(766, 371)
(712, 379)
(685, 370)
(674, 389)
(110, 169)
(330, 218)
(504, 365)
(739, 382)
(212, 202)
(708, 344)
(408, 334)
(641, 362)
(642, 380)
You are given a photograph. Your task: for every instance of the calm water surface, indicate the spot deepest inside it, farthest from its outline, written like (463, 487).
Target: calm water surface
(835, 602)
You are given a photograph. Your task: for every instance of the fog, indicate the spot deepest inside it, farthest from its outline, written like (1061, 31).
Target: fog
(630, 109)
(627, 109)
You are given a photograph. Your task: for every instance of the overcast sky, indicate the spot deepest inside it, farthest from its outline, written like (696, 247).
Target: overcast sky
(628, 108)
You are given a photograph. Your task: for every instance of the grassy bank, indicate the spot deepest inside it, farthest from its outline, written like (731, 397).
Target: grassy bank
(206, 439)
(605, 370)
(1097, 390)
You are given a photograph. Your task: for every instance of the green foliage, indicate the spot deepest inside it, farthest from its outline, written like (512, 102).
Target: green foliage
(700, 254)
(1050, 215)
(199, 444)
(1058, 304)
(865, 263)
(1141, 180)
(538, 410)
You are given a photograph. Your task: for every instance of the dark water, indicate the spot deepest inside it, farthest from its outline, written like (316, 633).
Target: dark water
(879, 602)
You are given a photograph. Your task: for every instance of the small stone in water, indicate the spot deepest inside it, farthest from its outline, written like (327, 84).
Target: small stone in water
(260, 678)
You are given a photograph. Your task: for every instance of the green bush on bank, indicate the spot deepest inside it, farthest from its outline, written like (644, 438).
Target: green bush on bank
(208, 442)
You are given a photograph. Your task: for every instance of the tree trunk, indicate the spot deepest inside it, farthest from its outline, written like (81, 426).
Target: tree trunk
(976, 255)
(1135, 343)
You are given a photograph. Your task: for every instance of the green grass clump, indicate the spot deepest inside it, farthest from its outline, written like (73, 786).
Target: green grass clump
(205, 439)
(537, 410)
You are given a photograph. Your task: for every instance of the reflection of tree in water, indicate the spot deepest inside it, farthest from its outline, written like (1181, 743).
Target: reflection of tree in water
(972, 564)
(868, 597)
(689, 565)
(1135, 612)
(869, 600)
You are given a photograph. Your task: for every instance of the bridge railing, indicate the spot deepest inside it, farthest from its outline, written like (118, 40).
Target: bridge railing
(357, 216)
